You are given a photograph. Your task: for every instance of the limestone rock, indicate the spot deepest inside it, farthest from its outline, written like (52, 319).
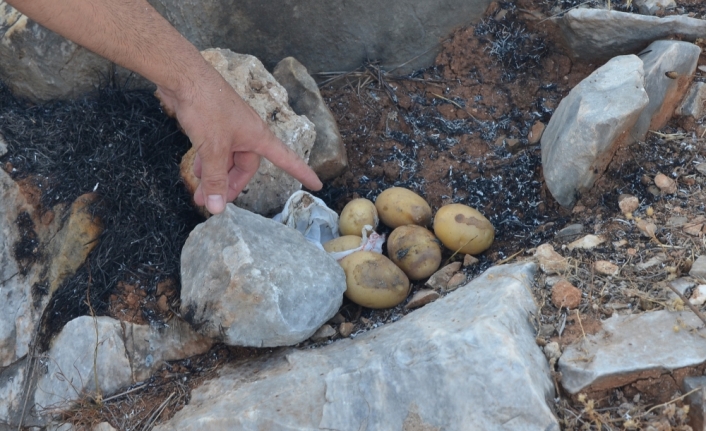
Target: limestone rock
(597, 34)
(430, 370)
(698, 268)
(651, 7)
(696, 401)
(589, 125)
(693, 105)
(421, 298)
(457, 280)
(604, 267)
(549, 260)
(698, 296)
(570, 231)
(250, 281)
(269, 189)
(628, 203)
(588, 242)
(623, 351)
(328, 155)
(536, 133)
(12, 382)
(346, 329)
(665, 93)
(440, 279)
(72, 244)
(469, 260)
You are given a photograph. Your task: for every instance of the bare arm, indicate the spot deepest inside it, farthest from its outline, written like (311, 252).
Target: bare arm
(229, 136)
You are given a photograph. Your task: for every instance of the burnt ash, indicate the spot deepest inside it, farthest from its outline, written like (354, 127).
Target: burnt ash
(119, 144)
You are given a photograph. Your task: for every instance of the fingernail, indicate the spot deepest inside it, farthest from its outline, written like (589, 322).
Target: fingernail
(215, 204)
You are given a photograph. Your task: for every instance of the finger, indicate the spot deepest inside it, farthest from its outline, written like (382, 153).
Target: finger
(289, 161)
(244, 168)
(215, 164)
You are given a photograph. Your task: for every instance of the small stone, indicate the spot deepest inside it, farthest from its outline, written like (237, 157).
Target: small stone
(469, 260)
(549, 260)
(666, 184)
(323, 333)
(697, 401)
(647, 228)
(546, 330)
(694, 103)
(440, 279)
(421, 298)
(621, 243)
(676, 221)
(651, 7)
(628, 203)
(693, 229)
(681, 285)
(103, 426)
(337, 319)
(653, 261)
(586, 243)
(457, 280)
(654, 191)
(701, 167)
(535, 133)
(569, 231)
(346, 329)
(162, 304)
(606, 268)
(552, 280)
(566, 295)
(631, 251)
(698, 268)
(698, 296)
(702, 68)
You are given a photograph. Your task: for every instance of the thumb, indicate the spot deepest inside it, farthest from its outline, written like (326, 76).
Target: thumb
(213, 188)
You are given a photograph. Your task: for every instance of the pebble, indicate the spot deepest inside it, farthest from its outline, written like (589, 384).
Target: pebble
(693, 229)
(346, 329)
(701, 167)
(552, 351)
(676, 221)
(457, 280)
(653, 261)
(552, 280)
(566, 295)
(696, 401)
(440, 279)
(698, 297)
(588, 242)
(698, 268)
(470, 260)
(536, 133)
(666, 184)
(654, 191)
(323, 333)
(549, 260)
(606, 268)
(628, 203)
(621, 243)
(422, 298)
(570, 231)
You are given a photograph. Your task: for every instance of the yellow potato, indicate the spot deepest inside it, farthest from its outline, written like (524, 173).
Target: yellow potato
(415, 250)
(355, 215)
(463, 229)
(399, 207)
(342, 243)
(373, 281)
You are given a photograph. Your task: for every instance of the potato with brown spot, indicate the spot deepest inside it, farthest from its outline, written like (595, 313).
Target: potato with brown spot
(343, 243)
(398, 206)
(463, 229)
(415, 250)
(357, 214)
(373, 281)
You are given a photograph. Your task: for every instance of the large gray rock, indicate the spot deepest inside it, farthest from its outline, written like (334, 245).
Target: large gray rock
(269, 189)
(623, 351)
(109, 353)
(468, 361)
(250, 281)
(324, 36)
(328, 155)
(590, 124)
(597, 34)
(665, 93)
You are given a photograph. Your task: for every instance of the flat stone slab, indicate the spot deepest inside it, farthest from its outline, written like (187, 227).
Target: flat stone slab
(629, 346)
(467, 361)
(595, 34)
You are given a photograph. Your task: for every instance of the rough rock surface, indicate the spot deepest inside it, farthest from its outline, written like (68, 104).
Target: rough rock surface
(698, 268)
(328, 155)
(550, 261)
(589, 125)
(697, 401)
(651, 7)
(467, 361)
(693, 105)
(250, 281)
(324, 36)
(623, 351)
(269, 189)
(124, 353)
(596, 34)
(665, 93)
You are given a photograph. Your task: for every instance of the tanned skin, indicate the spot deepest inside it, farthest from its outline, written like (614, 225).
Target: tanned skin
(228, 135)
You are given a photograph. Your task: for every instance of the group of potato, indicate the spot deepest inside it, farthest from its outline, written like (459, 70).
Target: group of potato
(414, 252)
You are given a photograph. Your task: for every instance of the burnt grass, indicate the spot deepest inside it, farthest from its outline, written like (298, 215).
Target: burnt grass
(120, 145)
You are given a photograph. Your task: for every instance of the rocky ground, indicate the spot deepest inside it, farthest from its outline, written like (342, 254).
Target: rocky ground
(467, 130)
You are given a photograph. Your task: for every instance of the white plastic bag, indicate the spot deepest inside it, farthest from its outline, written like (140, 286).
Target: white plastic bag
(310, 216)
(371, 241)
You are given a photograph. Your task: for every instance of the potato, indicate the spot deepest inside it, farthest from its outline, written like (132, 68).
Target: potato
(399, 207)
(463, 229)
(415, 250)
(355, 215)
(343, 243)
(373, 281)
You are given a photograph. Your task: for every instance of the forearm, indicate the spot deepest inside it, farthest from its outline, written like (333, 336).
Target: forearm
(130, 33)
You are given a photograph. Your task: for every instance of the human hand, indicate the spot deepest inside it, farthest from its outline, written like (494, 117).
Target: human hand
(229, 138)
